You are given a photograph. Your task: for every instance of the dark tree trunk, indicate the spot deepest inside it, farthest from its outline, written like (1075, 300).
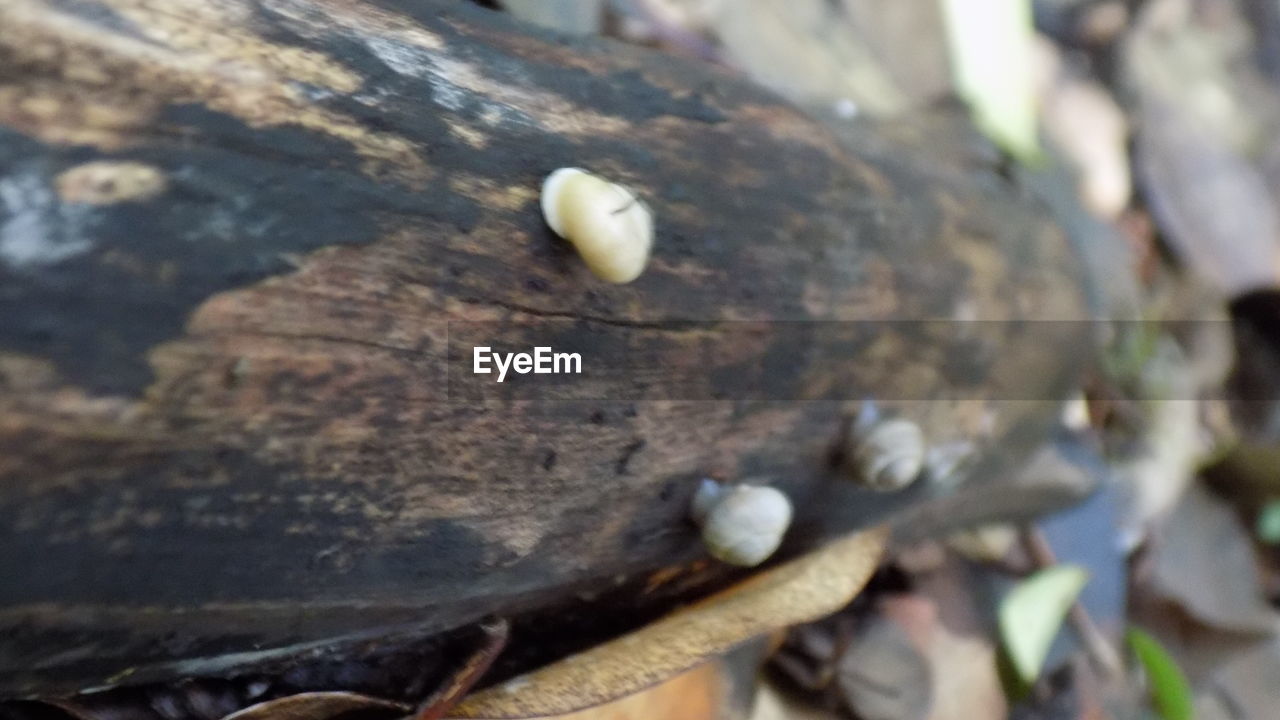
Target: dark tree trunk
(235, 237)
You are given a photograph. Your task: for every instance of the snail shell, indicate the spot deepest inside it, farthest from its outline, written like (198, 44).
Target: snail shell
(741, 524)
(608, 225)
(889, 454)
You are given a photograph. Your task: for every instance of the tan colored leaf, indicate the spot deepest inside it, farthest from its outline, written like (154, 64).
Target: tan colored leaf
(1084, 122)
(772, 704)
(696, 694)
(798, 591)
(322, 706)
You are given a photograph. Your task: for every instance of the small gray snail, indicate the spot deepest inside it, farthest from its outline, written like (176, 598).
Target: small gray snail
(609, 226)
(741, 524)
(885, 454)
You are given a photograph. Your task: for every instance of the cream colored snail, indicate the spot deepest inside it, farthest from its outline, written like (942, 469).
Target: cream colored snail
(741, 524)
(887, 454)
(610, 227)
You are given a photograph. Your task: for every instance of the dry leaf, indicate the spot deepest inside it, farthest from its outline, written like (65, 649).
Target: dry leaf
(722, 688)
(322, 706)
(1085, 123)
(883, 676)
(809, 51)
(798, 591)
(1200, 650)
(770, 704)
(696, 694)
(944, 620)
(1245, 686)
(1203, 559)
(1207, 121)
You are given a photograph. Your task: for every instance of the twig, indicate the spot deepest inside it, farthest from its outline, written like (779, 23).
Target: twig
(1096, 644)
(465, 678)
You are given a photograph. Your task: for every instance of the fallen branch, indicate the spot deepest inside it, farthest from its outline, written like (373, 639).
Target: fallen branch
(233, 237)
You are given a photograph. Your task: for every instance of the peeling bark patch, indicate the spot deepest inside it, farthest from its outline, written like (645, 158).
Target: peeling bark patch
(621, 94)
(200, 54)
(219, 31)
(101, 16)
(444, 78)
(35, 230)
(82, 287)
(568, 100)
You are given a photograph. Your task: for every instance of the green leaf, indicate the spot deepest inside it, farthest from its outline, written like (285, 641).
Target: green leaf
(1170, 691)
(1269, 523)
(1032, 613)
(991, 59)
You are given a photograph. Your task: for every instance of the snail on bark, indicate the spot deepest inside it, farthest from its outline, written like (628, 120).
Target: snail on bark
(884, 453)
(611, 228)
(741, 524)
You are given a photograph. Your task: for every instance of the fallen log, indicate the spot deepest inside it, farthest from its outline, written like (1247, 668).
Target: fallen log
(245, 248)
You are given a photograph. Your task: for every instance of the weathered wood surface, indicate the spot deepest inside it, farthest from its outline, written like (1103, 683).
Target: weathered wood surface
(231, 234)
